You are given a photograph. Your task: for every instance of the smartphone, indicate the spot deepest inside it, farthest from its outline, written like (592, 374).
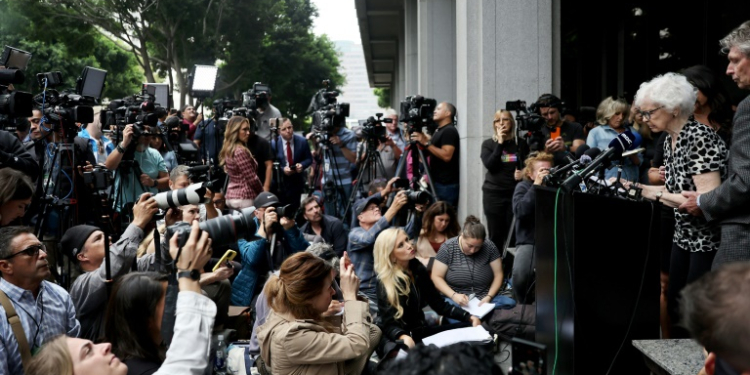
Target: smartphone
(228, 257)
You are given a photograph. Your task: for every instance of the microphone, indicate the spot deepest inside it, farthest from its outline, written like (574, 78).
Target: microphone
(587, 156)
(624, 141)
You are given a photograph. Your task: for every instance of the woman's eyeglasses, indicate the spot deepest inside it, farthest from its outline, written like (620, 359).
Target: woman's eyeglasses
(32, 251)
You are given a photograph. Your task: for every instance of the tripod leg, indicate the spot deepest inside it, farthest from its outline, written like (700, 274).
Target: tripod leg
(427, 171)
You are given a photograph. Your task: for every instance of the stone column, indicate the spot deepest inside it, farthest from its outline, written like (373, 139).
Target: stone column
(411, 50)
(505, 51)
(437, 49)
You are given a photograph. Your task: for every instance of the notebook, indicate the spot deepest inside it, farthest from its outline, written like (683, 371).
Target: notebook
(479, 311)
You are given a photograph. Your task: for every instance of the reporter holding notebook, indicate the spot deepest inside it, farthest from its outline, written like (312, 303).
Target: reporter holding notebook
(470, 266)
(404, 289)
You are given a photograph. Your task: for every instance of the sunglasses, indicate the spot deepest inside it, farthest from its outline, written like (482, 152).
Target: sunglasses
(32, 251)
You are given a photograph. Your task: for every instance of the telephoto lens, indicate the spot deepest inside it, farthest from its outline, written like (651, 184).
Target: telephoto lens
(418, 197)
(223, 230)
(193, 194)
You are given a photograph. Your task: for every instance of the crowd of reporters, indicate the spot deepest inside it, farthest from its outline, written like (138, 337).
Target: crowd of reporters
(352, 272)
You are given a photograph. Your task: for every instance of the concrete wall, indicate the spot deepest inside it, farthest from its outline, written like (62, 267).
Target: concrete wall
(504, 51)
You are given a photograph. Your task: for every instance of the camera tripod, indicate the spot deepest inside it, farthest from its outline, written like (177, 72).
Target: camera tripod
(417, 156)
(332, 188)
(372, 165)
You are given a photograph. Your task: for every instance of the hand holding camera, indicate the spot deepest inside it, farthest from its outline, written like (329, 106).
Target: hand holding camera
(127, 135)
(195, 252)
(144, 210)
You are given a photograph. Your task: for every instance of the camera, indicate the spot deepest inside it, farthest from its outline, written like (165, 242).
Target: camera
(417, 197)
(373, 129)
(327, 113)
(136, 109)
(68, 108)
(100, 178)
(529, 124)
(416, 112)
(223, 230)
(193, 194)
(255, 98)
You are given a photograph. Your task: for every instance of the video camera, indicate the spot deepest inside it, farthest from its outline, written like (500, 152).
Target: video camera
(373, 129)
(136, 109)
(68, 108)
(528, 123)
(13, 104)
(256, 98)
(416, 112)
(327, 113)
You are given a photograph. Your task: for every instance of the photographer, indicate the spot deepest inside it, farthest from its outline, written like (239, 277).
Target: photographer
(41, 147)
(445, 150)
(100, 144)
(293, 152)
(84, 245)
(209, 136)
(560, 135)
(256, 256)
(524, 206)
(266, 111)
(179, 178)
(362, 238)
(148, 173)
(191, 118)
(343, 146)
(327, 227)
(394, 132)
(390, 154)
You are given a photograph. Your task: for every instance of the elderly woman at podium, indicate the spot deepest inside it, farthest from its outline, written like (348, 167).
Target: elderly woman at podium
(695, 160)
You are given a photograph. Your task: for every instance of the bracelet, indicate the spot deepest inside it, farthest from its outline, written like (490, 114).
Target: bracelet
(156, 183)
(119, 148)
(454, 293)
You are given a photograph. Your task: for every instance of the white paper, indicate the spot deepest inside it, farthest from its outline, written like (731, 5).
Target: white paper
(454, 336)
(401, 354)
(479, 311)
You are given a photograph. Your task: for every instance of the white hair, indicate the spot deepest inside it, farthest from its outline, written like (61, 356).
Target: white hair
(739, 37)
(671, 90)
(390, 112)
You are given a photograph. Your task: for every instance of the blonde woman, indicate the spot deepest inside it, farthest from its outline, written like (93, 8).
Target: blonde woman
(240, 165)
(611, 115)
(500, 157)
(404, 289)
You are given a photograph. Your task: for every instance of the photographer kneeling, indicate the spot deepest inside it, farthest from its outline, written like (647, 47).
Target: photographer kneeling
(362, 238)
(524, 206)
(84, 245)
(256, 260)
(134, 321)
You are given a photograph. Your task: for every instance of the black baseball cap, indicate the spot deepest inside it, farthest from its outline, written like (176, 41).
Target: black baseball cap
(265, 199)
(363, 203)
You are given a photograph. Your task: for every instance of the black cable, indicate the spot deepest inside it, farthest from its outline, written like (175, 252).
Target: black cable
(640, 289)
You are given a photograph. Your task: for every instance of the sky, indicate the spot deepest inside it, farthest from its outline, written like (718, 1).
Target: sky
(337, 19)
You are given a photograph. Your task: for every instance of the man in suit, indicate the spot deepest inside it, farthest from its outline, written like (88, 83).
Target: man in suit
(293, 153)
(729, 204)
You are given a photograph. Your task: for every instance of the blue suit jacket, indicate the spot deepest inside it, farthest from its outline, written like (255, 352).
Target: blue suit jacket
(302, 155)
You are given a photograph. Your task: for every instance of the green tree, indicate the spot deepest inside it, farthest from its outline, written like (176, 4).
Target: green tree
(384, 97)
(67, 47)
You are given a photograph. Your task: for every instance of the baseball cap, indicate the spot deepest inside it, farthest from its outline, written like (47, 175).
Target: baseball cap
(363, 203)
(265, 199)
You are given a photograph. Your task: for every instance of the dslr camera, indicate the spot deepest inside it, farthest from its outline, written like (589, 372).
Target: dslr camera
(528, 124)
(223, 230)
(416, 112)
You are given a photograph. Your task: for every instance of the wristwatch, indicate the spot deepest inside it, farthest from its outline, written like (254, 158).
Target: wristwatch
(193, 274)
(659, 194)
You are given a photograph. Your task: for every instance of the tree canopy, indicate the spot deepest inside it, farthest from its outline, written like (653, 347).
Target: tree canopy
(265, 41)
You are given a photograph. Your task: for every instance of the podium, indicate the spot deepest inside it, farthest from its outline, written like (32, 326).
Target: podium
(607, 272)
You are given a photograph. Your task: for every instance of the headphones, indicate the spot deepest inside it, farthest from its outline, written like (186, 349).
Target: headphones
(549, 100)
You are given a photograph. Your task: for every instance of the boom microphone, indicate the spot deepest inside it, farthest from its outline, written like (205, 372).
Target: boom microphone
(624, 141)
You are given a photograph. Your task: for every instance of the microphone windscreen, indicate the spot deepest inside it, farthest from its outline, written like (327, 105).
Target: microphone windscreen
(623, 141)
(581, 150)
(584, 159)
(593, 152)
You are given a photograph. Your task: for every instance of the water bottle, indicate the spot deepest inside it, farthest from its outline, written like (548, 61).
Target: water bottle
(220, 357)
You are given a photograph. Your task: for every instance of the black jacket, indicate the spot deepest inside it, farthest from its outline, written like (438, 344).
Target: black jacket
(524, 207)
(412, 323)
(14, 155)
(332, 231)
